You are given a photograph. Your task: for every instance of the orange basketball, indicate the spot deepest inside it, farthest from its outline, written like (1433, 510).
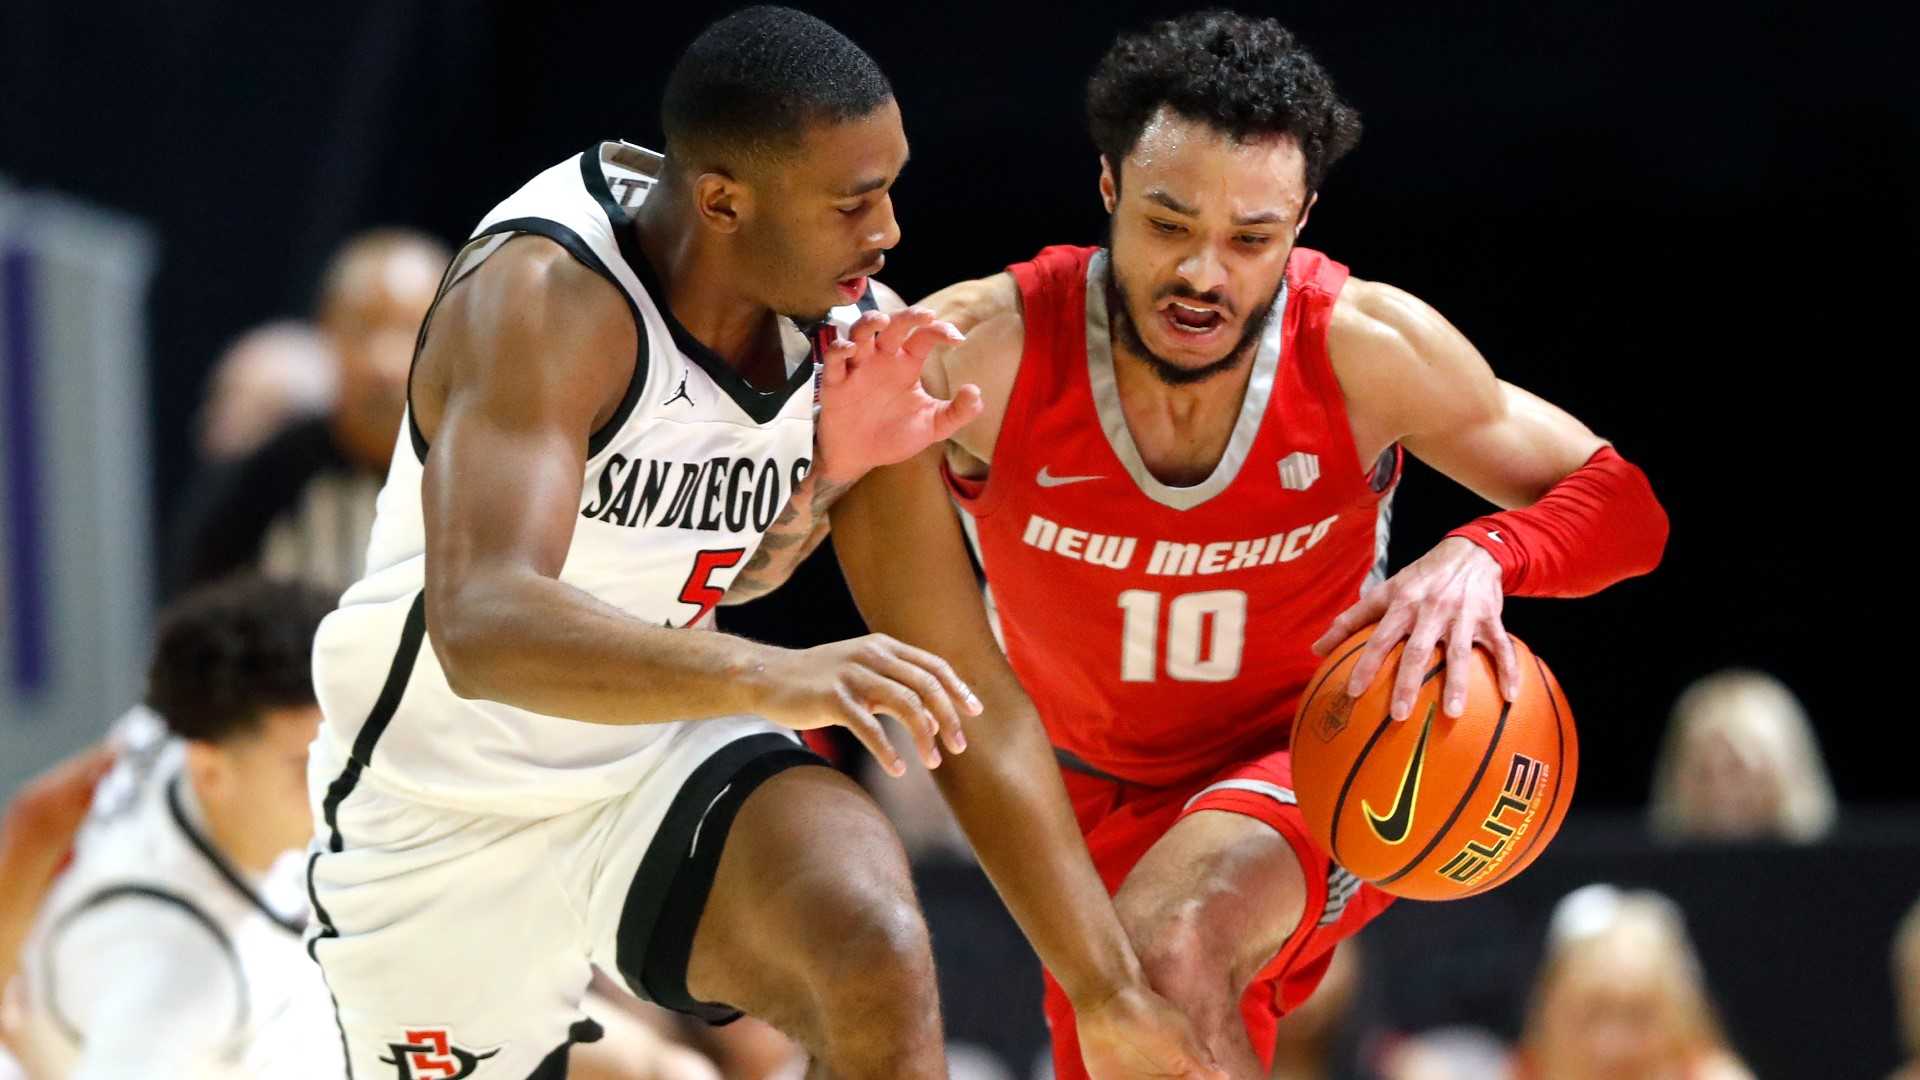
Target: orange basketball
(1434, 808)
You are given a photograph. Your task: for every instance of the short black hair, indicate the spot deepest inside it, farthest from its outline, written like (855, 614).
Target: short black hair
(227, 652)
(753, 82)
(1247, 77)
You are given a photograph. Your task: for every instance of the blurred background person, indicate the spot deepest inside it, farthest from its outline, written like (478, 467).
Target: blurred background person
(300, 506)
(172, 945)
(1740, 762)
(269, 378)
(1906, 991)
(1449, 1053)
(1621, 996)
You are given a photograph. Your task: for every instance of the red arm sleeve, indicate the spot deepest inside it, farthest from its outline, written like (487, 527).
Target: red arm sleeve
(1599, 525)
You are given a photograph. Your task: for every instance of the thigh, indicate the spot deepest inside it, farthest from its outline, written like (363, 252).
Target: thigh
(810, 865)
(447, 940)
(722, 873)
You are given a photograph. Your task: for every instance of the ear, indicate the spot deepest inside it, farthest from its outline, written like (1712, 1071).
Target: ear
(208, 768)
(1298, 226)
(1109, 184)
(720, 201)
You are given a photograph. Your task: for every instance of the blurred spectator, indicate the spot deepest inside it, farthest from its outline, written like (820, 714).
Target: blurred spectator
(300, 506)
(270, 377)
(1906, 991)
(1621, 995)
(1740, 763)
(1449, 1053)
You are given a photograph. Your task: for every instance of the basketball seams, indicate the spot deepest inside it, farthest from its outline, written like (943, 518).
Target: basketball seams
(1346, 786)
(1479, 774)
(1547, 825)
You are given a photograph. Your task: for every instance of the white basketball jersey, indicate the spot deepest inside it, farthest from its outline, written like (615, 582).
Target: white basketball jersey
(144, 865)
(680, 486)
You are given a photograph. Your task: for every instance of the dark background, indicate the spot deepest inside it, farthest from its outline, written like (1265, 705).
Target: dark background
(1663, 217)
(1690, 225)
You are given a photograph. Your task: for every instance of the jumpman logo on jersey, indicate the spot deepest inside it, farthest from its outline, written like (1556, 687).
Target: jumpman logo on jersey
(680, 394)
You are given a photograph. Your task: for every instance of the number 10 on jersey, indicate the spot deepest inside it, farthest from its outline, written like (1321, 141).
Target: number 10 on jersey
(1206, 633)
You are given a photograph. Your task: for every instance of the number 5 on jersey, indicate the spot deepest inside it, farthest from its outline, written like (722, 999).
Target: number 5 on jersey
(699, 589)
(1206, 632)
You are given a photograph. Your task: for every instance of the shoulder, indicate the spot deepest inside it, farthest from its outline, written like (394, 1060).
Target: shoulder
(1393, 354)
(969, 304)
(533, 285)
(530, 330)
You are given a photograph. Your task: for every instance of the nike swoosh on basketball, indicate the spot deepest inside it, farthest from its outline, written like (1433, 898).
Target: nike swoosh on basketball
(1047, 480)
(1393, 827)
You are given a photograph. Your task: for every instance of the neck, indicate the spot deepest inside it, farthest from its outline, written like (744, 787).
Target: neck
(233, 833)
(1181, 431)
(699, 284)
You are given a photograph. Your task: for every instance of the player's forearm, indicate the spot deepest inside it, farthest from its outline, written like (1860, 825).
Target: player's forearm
(536, 643)
(794, 535)
(1006, 793)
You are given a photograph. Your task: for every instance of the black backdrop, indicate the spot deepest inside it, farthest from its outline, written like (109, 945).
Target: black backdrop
(1665, 217)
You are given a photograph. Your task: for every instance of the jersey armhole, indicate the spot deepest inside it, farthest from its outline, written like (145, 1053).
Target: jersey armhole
(574, 246)
(1033, 281)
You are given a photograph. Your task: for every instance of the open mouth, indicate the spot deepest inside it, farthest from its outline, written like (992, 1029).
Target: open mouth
(1192, 320)
(854, 285)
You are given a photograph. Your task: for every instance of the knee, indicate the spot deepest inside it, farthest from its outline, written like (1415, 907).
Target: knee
(1181, 950)
(878, 959)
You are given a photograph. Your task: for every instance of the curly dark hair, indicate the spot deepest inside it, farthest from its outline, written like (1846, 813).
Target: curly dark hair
(1241, 75)
(752, 82)
(227, 652)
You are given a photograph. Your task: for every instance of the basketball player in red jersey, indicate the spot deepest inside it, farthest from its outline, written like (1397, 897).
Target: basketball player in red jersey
(1178, 492)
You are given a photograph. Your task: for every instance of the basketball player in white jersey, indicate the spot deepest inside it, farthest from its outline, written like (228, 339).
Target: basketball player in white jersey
(536, 755)
(171, 947)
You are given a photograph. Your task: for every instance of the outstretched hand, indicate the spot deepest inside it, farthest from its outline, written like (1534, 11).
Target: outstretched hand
(873, 409)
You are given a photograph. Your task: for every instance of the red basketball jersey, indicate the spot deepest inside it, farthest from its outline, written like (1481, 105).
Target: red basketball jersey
(1165, 632)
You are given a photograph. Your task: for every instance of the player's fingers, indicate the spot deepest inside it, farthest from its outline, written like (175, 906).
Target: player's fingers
(1460, 638)
(866, 328)
(1371, 605)
(1393, 627)
(957, 413)
(927, 338)
(1414, 660)
(900, 325)
(1505, 662)
(835, 359)
(938, 713)
(850, 714)
(883, 694)
(956, 688)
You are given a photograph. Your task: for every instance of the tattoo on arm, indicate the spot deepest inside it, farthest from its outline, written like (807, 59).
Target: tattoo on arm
(788, 541)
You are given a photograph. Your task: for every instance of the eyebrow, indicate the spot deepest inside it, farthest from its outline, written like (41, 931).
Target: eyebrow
(1264, 217)
(1158, 195)
(874, 184)
(864, 186)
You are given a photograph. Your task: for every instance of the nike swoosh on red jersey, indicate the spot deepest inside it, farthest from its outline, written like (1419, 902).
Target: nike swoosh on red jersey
(1047, 480)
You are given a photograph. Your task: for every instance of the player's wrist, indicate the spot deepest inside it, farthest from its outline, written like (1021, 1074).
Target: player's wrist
(1099, 986)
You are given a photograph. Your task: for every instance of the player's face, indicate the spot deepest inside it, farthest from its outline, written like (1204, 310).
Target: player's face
(271, 764)
(827, 220)
(1201, 230)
